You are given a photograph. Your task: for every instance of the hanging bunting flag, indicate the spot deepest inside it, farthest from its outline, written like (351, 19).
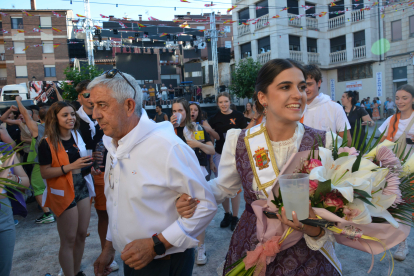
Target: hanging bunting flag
(267, 23)
(228, 22)
(5, 32)
(104, 16)
(36, 30)
(382, 15)
(140, 25)
(276, 16)
(163, 34)
(184, 25)
(130, 37)
(20, 31)
(56, 14)
(28, 14)
(410, 4)
(153, 19)
(322, 14)
(38, 45)
(209, 5)
(122, 24)
(96, 26)
(79, 15)
(56, 45)
(24, 50)
(285, 9)
(184, 1)
(10, 48)
(333, 4)
(176, 20)
(4, 14)
(255, 22)
(232, 8)
(259, 7)
(292, 18)
(306, 7)
(57, 30)
(202, 31)
(126, 18)
(79, 31)
(375, 3)
(245, 23)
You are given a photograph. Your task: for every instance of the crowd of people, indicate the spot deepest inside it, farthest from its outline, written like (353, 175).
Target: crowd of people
(171, 172)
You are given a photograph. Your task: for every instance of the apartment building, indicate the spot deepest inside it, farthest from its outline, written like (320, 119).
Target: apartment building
(30, 49)
(338, 37)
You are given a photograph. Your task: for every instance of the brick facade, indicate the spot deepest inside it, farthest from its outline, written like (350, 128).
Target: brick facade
(36, 69)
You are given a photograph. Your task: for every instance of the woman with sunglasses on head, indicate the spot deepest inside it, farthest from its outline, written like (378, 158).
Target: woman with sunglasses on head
(399, 128)
(69, 183)
(224, 120)
(281, 90)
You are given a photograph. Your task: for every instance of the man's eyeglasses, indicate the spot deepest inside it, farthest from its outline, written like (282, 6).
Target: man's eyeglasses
(86, 95)
(110, 74)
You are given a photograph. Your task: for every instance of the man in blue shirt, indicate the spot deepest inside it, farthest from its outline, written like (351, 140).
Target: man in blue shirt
(385, 107)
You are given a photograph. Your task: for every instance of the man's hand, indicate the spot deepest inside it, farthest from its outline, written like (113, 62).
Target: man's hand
(101, 265)
(186, 206)
(139, 253)
(14, 108)
(18, 99)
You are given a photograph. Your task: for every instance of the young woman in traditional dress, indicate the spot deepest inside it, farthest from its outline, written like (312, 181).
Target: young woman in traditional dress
(280, 90)
(401, 123)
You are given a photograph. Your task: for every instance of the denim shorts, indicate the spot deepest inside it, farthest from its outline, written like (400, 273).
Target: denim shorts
(81, 189)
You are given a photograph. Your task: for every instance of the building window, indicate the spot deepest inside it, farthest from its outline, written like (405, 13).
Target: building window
(21, 71)
(48, 47)
(294, 43)
(50, 71)
(334, 11)
(246, 50)
(357, 5)
(311, 11)
(396, 30)
(203, 71)
(338, 44)
(355, 72)
(19, 47)
(293, 6)
(359, 38)
(46, 22)
(399, 73)
(193, 74)
(312, 44)
(412, 26)
(262, 8)
(17, 23)
(263, 45)
(244, 15)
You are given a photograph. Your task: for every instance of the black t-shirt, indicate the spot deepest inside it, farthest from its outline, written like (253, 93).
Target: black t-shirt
(14, 132)
(45, 158)
(355, 118)
(221, 123)
(201, 155)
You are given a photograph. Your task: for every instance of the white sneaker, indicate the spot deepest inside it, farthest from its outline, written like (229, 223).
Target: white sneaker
(61, 272)
(114, 266)
(402, 251)
(201, 255)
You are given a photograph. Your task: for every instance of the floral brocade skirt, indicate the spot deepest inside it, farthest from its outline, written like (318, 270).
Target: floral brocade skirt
(298, 260)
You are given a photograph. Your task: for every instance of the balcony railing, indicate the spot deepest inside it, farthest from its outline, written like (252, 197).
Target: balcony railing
(311, 23)
(3, 81)
(237, 1)
(262, 21)
(313, 58)
(243, 29)
(357, 15)
(360, 52)
(263, 57)
(337, 57)
(2, 56)
(296, 55)
(336, 22)
(295, 22)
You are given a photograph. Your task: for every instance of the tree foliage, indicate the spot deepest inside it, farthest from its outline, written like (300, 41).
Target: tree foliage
(88, 72)
(244, 78)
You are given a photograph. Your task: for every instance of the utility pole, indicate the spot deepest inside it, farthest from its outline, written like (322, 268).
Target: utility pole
(88, 25)
(214, 38)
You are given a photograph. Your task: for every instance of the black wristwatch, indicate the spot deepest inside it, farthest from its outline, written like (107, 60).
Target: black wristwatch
(159, 247)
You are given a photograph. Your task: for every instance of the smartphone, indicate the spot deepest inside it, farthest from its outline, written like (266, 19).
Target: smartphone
(409, 141)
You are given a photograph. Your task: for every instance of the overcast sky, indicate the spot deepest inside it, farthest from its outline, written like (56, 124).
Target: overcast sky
(160, 9)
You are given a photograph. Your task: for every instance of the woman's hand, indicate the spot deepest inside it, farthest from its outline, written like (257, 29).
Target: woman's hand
(193, 143)
(297, 225)
(186, 206)
(213, 167)
(81, 163)
(173, 119)
(12, 177)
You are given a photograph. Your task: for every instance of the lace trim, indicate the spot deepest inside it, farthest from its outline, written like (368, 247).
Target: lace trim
(286, 143)
(318, 244)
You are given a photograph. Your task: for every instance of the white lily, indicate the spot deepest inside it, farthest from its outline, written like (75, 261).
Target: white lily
(364, 217)
(382, 203)
(409, 165)
(339, 171)
(371, 155)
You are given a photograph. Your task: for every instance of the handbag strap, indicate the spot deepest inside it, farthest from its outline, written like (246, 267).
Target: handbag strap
(402, 143)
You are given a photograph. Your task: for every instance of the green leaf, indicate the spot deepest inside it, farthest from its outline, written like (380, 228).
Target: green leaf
(331, 209)
(362, 193)
(343, 154)
(323, 189)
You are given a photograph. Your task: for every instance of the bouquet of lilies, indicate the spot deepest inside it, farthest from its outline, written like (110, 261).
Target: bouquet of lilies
(365, 189)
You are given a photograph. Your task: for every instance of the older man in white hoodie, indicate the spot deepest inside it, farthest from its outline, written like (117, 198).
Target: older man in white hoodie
(321, 112)
(147, 168)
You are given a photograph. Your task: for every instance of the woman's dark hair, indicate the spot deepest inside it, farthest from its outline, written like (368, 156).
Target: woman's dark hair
(245, 112)
(409, 89)
(199, 116)
(353, 95)
(52, 130)
(269, 72)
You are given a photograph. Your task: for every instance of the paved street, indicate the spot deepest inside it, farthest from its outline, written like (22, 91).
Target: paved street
(37, 249)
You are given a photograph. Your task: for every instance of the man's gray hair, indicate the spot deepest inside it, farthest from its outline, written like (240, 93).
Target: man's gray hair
(121, 90)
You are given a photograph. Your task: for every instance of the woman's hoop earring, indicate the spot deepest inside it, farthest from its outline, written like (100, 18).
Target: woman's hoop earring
(265, 109)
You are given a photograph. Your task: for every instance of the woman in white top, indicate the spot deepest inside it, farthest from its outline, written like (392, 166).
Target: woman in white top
(395, 127)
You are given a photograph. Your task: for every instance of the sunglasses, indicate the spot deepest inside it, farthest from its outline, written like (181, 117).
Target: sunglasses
(86, 95)
(197, 103)
(110, 74)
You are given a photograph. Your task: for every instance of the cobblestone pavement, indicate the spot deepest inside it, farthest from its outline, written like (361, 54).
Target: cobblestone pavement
(36, 250)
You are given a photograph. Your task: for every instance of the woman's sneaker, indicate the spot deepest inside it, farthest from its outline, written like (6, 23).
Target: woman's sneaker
(402, 251)
(45, 218)
(114, 266)
(61, 272)
(201, 255)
